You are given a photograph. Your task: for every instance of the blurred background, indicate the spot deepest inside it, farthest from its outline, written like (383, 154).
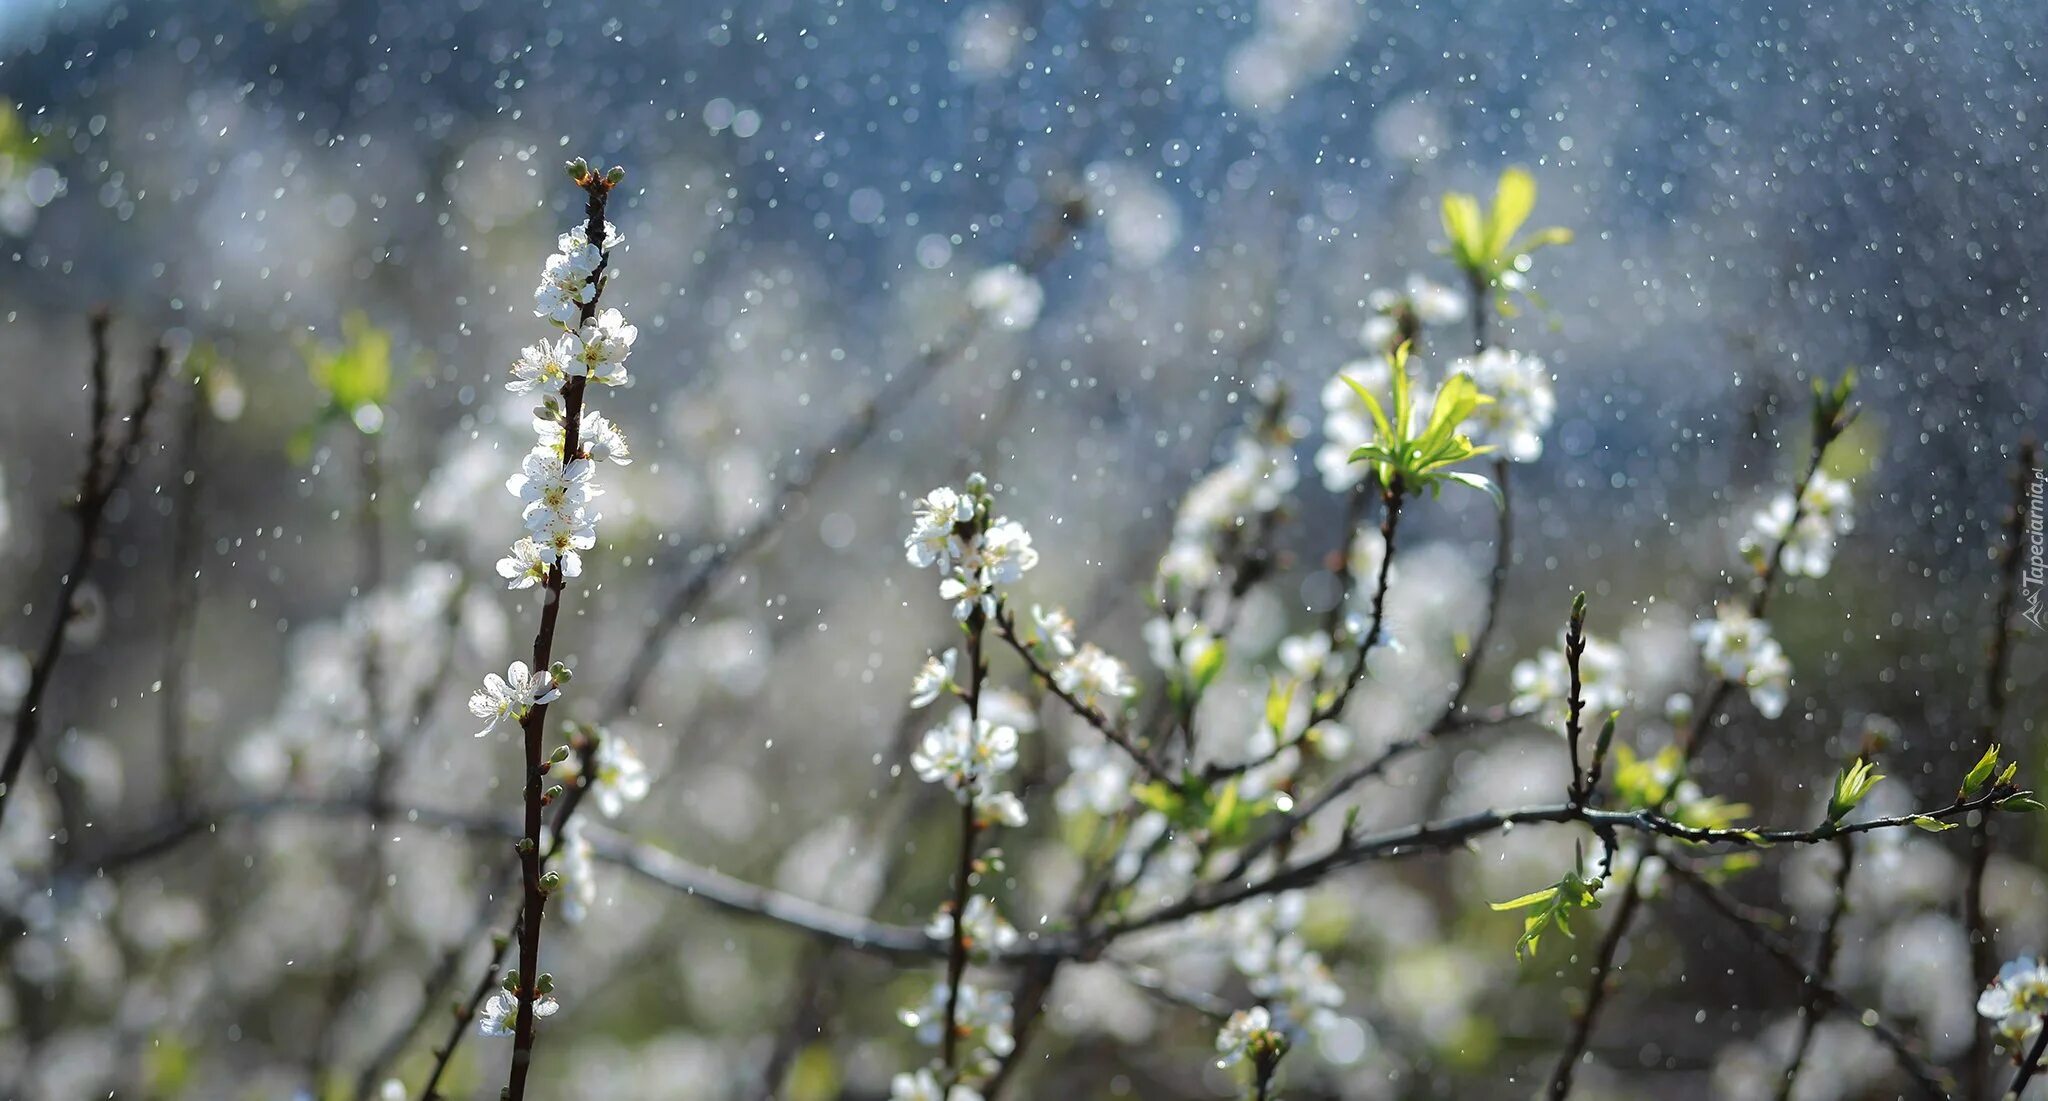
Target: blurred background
(1761, 192)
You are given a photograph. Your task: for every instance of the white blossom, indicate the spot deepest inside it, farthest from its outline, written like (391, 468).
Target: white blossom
(509, 698)
(578, 869)
(620, 777)
(550, 488)
(1522, 406)
(981, 1016)
(934, 678)
(1092, 674)
(500, 1011)
(1055, 629)
(562, 535)
(985, 931)
(932, 540)
(543, 365)
(1824, 513)
(1098, 779)
(1005, 552)
(596, 437)
(923, 1085)
(2017, 999)
(524, 567)
(1738, 647)
(1008, 295)
(599, 348)
(999, 808)
(965, 753)
(1244, 1028)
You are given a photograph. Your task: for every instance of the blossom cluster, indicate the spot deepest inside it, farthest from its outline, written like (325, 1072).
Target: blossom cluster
(1808, 526)
(970, 753)
(2018, 1001)
(1738, 647)
(556, 486)
(975, 554)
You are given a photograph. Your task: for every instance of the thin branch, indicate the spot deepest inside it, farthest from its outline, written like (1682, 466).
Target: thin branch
(2031, 1064)
(1006, 628)
(1932, 1080)
(1691, 740)
(1997, 669)
(1823, 966)
(104, 474)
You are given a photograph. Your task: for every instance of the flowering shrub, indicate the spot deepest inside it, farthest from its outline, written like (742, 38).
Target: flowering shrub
(1171, 811)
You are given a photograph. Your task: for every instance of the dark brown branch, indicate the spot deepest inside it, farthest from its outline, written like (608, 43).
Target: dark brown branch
(104, 474)
(1813, 1006)
(1997, 670)
(1933, 1082)
(1691, 740)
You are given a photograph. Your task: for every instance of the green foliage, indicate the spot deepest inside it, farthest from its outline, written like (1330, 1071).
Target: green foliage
(1484, 242)
(354, 379)
(1853, 783)
(1831, 413)
(1421, 459)
(1979, 772)
(1217, 811)
(1552, 908)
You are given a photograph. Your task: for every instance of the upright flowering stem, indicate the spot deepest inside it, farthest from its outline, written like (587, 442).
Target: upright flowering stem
(963, 873)
(1998, 660)
(556, 484)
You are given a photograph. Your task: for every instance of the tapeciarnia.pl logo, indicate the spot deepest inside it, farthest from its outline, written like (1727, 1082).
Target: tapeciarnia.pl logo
(2034, 579)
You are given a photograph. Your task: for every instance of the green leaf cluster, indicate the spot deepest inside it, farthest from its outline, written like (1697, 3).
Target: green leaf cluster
(1417, 451)
(1552, 908)
(1218, 812)
(1484, 241)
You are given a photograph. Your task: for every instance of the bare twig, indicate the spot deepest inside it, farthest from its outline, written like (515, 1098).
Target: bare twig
(1932, 1080)
(1997, 669)
(104, 474)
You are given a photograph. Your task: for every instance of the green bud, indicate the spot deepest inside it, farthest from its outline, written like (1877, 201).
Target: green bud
(616, 176)
(551, 882)
(560, 754)
(579, 169)
(510, 983)
(1981, 771)
(546, 984)
(561, 673)
(524, 845)
(553, 793)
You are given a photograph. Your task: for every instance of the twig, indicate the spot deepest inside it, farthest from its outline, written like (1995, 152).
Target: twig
(1390, 523)
(597, 188)
(2031, 1064)
(1006, 629)
(1691, 740)
(1932, 1080)
(1997, 668)
(963, 873)
(1823, 966)
(103, 475)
